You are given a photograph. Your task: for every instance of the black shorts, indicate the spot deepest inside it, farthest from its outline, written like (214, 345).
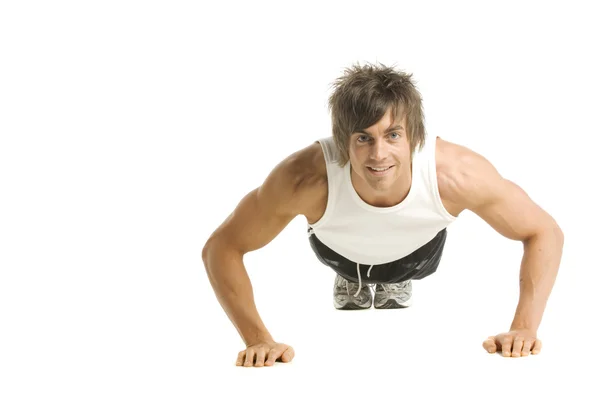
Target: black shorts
(417, 265)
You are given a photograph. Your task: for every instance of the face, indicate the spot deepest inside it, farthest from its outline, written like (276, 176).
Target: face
(383, 145)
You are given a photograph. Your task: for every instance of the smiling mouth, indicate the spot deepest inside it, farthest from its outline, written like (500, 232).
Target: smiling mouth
(379, 168)
(379, 171)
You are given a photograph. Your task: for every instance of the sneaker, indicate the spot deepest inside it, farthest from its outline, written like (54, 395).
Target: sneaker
(344, 292)
(393, 295)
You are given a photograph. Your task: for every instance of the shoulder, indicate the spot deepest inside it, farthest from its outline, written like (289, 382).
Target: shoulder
(306, 167)
(470, 181)
(303, 174)
(464, 176)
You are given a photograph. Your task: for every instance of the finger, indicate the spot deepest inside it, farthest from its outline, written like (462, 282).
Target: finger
(537, 347)
(517, 347)
(273, 355)
(260, 357)
(506, 346)
(249, 357)
(240, 358)
(527, 347)
(490, 344)
(288, 355)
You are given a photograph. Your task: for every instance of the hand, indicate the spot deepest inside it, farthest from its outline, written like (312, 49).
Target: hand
(271, 351)
(517, 342)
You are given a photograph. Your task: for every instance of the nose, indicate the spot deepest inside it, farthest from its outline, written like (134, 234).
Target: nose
(378, 150)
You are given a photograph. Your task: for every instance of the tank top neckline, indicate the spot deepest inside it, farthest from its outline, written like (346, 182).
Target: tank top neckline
(367, 206)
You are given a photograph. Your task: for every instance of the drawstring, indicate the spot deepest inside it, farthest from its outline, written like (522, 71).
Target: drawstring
(311, 232)
(359, 280)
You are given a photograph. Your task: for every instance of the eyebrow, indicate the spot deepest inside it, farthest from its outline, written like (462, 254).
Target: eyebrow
(391, 128)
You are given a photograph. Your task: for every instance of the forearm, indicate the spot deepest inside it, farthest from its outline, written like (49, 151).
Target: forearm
(539, 267)
(233, 289)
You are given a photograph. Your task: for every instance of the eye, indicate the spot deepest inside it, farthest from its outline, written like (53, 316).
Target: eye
(362, 136)
(397, 135)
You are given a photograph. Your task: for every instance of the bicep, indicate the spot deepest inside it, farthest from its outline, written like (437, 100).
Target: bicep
(510, 211)
(505, 206)
(262, 214)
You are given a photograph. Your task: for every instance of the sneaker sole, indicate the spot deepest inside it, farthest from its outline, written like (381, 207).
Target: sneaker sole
(349, 306)
(391, 303)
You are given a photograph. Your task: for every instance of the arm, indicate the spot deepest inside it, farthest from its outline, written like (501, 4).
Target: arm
(509, 210)
(512, 213)
(259, 217)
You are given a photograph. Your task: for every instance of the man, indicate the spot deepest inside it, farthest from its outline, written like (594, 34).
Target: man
(377, 197)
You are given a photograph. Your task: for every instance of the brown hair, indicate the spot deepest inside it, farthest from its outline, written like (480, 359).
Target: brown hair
(362, 96)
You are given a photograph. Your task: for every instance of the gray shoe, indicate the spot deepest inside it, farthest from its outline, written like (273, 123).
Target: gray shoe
(393, 295)
(345, 298)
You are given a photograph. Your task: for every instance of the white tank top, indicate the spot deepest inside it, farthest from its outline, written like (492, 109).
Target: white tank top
(373, 235)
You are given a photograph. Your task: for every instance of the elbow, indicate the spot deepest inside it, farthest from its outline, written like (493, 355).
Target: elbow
(205, 253)
(215, 250)
(558, 233)
(208, 259)
(549, 232)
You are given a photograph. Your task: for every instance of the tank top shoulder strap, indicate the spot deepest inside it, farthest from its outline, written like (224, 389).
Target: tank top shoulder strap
(330, 150)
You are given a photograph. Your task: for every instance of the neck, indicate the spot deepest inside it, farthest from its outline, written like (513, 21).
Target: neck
(382, 198)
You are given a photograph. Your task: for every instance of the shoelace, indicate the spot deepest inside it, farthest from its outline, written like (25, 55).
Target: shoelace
(346, 283)
(394, 286)
(311, 232)
(359, 280)
(388, 288)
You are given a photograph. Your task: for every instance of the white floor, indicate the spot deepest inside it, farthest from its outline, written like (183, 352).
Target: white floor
(151, 326)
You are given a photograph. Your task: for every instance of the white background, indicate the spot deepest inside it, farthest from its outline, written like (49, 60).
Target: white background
(130, 130)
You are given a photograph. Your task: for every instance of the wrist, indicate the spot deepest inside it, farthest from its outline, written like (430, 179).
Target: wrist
(257, 338)
(520, 325)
